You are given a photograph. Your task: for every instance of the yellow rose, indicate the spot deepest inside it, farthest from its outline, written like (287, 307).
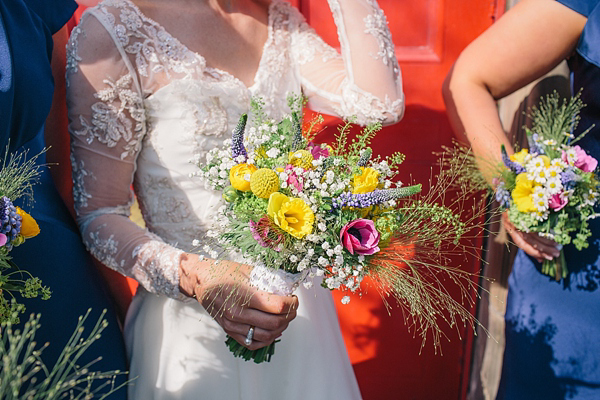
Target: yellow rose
(239, 176)
(367, 181)
(522, 194)
(291, 214)
(29, 228)
(520, 156)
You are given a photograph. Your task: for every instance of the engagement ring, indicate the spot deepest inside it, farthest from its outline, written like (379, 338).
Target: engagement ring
(248, 340)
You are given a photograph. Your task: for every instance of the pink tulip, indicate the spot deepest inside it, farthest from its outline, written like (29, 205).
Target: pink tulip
(360, 237)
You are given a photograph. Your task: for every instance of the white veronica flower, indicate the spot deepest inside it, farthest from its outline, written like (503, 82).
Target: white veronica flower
(345, 299)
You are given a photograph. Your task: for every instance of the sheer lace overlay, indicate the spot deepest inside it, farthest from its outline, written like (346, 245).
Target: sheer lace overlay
(142, 106)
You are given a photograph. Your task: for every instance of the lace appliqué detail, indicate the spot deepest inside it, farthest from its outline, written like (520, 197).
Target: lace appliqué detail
(366, 108)
(376, 24)
(157, 267)
(111, 124)
(105, 250)
(80, 195)
(150, 45)
(73, 58)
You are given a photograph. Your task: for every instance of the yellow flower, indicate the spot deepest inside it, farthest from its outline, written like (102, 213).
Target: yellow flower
(520, 156)
(29, 228)
(367, 181)
(291, 214)
(522, 194)
(301, 158)
(264, 182)
(240, 174)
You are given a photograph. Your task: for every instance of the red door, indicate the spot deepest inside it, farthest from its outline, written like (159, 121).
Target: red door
(429, 35)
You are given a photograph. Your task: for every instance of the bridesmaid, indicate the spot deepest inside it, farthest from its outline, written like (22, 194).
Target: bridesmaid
(57, 255)
(552, 328)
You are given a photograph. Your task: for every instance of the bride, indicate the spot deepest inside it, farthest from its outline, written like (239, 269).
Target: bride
(154, 84)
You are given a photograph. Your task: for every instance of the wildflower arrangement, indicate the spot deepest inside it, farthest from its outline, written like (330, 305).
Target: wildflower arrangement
(17, 175)
(295, 209)
(552, 187)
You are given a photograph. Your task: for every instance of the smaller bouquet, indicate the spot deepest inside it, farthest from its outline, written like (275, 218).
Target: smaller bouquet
(296, 209)
(552, 187)
(17, 175)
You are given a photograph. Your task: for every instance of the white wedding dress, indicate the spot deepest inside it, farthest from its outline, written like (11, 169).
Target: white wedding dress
(142, 106)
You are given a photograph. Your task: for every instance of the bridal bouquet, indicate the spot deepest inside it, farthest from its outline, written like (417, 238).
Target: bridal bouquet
(295, 209)
(16, 225)
(552, 187)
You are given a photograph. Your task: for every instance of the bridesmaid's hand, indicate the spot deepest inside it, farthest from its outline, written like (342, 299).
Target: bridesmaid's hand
(533, 244)
(235, 305)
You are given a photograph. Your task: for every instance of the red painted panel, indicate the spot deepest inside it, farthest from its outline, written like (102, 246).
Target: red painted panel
(429, 35)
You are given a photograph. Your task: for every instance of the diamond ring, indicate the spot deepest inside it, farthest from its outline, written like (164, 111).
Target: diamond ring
(248, 340)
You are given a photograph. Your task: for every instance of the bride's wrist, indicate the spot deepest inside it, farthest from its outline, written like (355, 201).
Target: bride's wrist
(191, 269)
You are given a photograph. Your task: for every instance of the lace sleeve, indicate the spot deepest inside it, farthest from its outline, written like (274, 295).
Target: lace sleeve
(365, 81)
(106, 123)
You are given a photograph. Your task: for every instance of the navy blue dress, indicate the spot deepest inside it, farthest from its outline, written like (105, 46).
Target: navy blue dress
(57, 255)
(553, 328)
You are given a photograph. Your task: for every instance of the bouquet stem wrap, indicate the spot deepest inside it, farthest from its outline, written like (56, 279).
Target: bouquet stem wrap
(556, 268)
(276, 281)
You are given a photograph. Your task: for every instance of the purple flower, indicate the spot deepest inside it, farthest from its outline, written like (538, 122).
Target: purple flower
(558, 201)
(318, 150)
(265, 234)
(360, 237)
(512, 165)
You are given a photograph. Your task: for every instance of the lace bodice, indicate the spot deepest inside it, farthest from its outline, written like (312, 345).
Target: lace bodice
(142, 106)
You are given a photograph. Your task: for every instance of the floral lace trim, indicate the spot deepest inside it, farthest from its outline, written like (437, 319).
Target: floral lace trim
(367, 108)
(157, 267)
(110, 124)
(376, 24)
(105, 249)
(80, 195)
(148, 43)
(308, 44)
(73, 58)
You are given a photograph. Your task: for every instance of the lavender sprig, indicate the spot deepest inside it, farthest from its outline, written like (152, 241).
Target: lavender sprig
(364, 200)
(513, 166)
(569, 178)
(534, 144)
(237, 144)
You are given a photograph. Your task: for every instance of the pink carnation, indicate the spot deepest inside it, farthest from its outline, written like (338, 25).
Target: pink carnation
(360, 237)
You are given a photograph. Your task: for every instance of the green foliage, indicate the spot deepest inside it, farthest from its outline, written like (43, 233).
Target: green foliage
(24, 376)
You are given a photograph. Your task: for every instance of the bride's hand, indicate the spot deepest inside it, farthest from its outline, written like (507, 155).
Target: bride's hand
(533, 244)
(235, 305)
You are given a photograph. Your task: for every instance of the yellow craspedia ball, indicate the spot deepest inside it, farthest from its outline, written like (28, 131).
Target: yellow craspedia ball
(301, 158)
(264, 182)
(29, 228)
(240, 175)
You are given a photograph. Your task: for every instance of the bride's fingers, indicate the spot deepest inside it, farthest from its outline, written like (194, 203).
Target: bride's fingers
(260, 334)
(255, 345)
(271, 303)
(272, 323)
